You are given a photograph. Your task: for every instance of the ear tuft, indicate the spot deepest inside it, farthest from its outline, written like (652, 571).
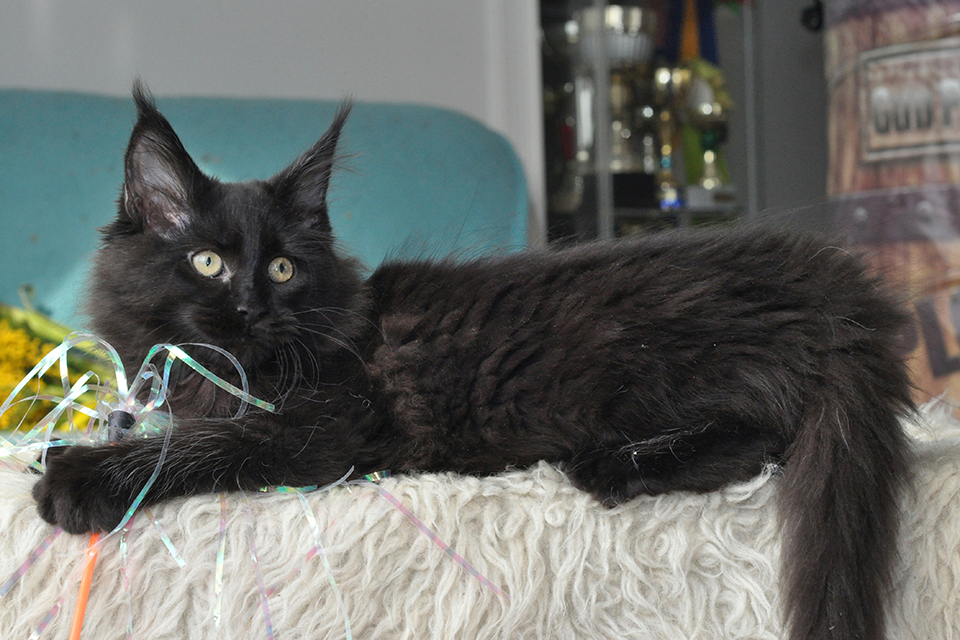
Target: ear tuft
(160, 178)
(305, 182)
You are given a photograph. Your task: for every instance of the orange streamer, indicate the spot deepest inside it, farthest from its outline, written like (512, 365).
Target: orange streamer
(77, 625)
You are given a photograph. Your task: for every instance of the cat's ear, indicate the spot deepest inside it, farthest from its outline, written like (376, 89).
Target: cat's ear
(304, 184)
(160, 178)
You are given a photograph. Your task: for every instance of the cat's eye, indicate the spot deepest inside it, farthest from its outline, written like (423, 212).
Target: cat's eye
(280, 269)
(207, 263)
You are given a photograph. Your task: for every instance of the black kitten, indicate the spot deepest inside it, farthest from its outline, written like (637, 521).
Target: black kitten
(669, 363)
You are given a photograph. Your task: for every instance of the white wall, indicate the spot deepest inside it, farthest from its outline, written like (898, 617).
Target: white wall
(477, 56)
(792, 104)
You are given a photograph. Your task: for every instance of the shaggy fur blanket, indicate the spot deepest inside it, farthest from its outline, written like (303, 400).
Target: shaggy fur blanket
(674, 566)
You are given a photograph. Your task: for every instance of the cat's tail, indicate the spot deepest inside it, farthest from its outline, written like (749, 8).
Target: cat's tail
(843, 476)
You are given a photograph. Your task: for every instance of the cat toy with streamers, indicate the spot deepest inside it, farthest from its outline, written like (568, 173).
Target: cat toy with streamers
(136, 409)
(119, 410)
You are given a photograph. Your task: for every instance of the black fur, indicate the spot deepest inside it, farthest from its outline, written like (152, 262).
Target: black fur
(674, 362)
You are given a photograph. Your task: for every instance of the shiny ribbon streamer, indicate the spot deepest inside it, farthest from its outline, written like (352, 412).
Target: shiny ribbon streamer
(221, 551)
(146, 487)
(147, 422)
(175, 352)
(373, 479)
(68, 405)
(59, 353)
(242, 394)
(47, 619)
(68, 586)
(123, 397)
(164, 538)
(34, 555)
(158, 397)
(251, 540)
(125, 577)
(318, 550)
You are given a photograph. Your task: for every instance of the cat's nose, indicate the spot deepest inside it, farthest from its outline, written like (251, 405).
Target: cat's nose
(250, 313)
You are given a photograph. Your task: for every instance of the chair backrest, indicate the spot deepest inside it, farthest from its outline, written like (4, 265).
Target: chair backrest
(415, 180)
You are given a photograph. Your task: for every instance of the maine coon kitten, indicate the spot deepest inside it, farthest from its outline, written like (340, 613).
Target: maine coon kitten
(668, 363)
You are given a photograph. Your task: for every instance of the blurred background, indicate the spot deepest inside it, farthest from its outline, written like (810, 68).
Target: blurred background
(836, 115)
(486, 58)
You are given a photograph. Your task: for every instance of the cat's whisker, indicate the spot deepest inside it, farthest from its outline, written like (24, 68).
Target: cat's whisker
(346, 345)
(345, 312)
(354, 350)
(315, 364)
(158, 331)
(301, 376)
(331, 325)
(289, 378)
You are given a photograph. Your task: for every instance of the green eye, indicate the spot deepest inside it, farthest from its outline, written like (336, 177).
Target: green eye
(280, 269)
(207, 263)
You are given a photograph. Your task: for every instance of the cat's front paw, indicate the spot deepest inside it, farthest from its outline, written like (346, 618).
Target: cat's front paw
(74, 492)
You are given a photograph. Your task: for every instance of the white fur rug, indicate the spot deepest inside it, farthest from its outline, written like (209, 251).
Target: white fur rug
(677, 566)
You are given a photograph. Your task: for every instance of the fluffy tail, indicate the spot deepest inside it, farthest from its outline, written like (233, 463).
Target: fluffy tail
(839, 504)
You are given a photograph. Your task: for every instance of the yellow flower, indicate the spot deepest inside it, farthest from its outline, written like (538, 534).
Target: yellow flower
(19, 353)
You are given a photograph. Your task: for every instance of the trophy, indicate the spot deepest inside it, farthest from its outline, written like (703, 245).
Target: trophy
(707, 107)
(669, 86)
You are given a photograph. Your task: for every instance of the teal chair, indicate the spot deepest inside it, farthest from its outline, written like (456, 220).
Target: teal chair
(415, 181)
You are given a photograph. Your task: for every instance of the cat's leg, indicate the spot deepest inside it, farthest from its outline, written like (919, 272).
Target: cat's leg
(699, 460)
(89, 488)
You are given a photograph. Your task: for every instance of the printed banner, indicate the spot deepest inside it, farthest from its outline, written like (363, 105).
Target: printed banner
(893, 71)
